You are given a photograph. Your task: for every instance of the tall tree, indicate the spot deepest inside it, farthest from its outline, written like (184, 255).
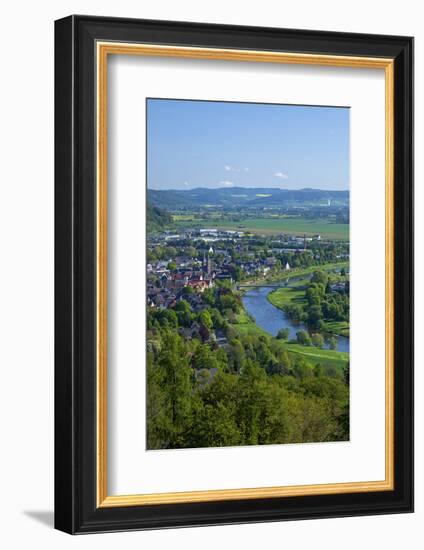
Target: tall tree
(177, 386)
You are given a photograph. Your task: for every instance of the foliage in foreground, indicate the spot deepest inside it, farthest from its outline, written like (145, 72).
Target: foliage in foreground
(250, 393)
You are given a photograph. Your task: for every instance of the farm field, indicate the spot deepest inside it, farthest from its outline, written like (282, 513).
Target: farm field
(272, 226)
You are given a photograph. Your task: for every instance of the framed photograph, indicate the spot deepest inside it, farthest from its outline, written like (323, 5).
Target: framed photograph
(234, 274)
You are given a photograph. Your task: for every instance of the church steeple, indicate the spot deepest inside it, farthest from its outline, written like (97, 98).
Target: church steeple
(207, 262)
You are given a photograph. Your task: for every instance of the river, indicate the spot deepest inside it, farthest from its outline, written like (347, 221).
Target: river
(272, 319)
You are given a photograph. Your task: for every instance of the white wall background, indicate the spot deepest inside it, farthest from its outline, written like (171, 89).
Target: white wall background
(26, 272)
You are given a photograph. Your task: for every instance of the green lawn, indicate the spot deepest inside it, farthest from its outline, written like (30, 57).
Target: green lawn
(275, 225)
(245, 325)
(294, 294)
(315, 355)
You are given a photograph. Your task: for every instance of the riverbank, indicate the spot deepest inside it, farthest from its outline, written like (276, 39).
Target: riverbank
(295, 294)
(291, 273)
(244, 325)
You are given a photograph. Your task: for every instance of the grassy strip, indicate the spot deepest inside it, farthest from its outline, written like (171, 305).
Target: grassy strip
(294, 294)
(318, 356)
(296, 272)
(245, 325)
(337, 327)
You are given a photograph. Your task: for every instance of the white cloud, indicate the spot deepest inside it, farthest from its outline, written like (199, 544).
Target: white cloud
(186, 183)
(281, 175)
(226, 182)
(229, 168)
(246, 169)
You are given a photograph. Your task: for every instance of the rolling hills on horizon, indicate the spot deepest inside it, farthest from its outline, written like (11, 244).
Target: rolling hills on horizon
(248, 197)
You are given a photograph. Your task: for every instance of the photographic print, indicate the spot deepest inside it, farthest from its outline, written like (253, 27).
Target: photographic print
(212, 183)
(247, 274)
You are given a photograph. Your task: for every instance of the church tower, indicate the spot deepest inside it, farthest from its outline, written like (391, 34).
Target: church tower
(207, 263)
(209, 266)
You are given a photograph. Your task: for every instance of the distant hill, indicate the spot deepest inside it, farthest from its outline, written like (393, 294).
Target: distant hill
(233, 197)
(157, 219)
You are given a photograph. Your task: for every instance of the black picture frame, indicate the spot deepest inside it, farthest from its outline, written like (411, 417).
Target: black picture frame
(76, 510)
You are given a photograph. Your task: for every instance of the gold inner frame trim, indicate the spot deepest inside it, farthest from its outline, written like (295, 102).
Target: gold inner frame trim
(103, 50)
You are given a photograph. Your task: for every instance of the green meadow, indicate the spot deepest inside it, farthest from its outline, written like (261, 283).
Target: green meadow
(327, 357)
(272, 226)
(294, 294)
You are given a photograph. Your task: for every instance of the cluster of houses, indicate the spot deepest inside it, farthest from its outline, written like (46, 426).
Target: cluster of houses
(223, 233)
(206, 235)
(213, 234)
(165, 287)
(259, 267)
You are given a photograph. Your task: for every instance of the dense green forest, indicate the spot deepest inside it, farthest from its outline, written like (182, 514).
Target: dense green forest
(157, 218)
(250, 391)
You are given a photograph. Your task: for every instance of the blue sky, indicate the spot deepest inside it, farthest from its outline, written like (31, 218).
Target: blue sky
(217, 144)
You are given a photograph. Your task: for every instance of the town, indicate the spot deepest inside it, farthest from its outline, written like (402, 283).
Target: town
(185, 264)
(215, 327)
